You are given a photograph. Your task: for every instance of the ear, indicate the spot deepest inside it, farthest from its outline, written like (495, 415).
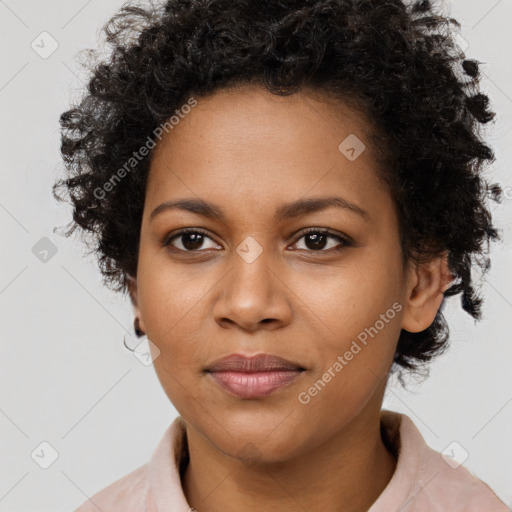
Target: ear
(134, 297)
(426, 284)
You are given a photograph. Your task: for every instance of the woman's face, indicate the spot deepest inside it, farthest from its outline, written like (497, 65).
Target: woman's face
(254, 281)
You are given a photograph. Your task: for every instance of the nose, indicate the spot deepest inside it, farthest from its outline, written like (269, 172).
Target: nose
(254, 295)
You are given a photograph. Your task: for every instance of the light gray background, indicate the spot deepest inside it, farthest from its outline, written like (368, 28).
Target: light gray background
(65, 376)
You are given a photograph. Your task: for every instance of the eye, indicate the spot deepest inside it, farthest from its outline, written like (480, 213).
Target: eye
(316, 240)
(192, 240)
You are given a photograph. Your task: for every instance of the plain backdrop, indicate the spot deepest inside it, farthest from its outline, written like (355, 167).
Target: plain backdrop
(69, 388)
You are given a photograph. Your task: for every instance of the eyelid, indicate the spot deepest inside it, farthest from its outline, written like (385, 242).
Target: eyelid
(325, 231)
(167, 239)
(345, 240)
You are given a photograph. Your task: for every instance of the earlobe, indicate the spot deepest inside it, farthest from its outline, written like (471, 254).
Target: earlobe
(424, 295)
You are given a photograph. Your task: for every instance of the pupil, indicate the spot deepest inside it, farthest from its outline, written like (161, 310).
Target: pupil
(316, 238)
(196, 243)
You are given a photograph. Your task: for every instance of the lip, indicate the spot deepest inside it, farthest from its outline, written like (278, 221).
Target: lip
(251, 364)
(252, 377)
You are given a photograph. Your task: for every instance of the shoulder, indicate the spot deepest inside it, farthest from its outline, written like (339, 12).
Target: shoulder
(454, 486)
(426, 480)
(124, 495)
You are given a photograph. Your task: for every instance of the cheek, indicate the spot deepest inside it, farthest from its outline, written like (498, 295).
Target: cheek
(354, 363)
(357, 319)
(171, 307)
(344, 301)
(170, 295)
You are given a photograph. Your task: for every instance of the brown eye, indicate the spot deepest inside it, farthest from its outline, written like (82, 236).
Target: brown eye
(317, 240)
(192, 240)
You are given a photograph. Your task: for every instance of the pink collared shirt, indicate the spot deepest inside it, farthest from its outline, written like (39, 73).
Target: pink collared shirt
(423, 480)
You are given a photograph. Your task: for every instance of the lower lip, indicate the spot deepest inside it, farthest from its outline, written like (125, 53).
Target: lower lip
(256, 384)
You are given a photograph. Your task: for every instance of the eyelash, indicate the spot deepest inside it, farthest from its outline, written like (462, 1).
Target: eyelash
(345, 241)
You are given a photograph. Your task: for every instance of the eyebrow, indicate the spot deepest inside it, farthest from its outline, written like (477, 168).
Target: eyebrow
(286, 211)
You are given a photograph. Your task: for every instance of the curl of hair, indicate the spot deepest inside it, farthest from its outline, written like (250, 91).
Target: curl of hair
(398, 63)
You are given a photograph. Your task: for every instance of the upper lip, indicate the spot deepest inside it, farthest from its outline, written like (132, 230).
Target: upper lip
(254, 363)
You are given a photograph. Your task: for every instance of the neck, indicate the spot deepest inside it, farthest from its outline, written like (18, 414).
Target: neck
(347, 473)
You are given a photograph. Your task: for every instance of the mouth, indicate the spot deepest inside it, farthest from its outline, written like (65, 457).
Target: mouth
(255, 376)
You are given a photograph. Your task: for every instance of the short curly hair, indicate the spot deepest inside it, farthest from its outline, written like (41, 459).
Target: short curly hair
(398, 63)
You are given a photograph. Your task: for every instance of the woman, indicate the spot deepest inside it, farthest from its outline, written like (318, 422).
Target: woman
(288, 191)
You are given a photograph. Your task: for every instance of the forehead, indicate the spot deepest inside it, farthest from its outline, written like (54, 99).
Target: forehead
(248, 143)
(250, 117)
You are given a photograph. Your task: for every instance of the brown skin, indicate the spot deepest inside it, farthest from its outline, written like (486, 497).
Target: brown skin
(249, 151)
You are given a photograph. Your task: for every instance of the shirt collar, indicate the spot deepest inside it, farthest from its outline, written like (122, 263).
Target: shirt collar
(165, 490)
(399, 434)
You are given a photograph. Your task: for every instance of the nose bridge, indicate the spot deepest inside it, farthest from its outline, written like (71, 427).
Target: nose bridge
(251, 275)
(252, 293)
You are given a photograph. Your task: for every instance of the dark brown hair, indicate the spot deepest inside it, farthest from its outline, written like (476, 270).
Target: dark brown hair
(400, 61)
